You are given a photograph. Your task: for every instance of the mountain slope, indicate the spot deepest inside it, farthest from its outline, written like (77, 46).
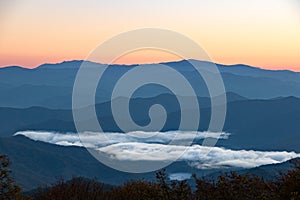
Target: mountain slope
(37, 164)
(50, 85)
(253, 124)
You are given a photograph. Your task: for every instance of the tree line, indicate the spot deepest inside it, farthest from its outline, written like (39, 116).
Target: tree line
(231, 186)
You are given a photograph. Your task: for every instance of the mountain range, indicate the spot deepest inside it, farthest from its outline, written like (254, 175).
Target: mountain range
(254, 124)
(263, 112)
(50, 85)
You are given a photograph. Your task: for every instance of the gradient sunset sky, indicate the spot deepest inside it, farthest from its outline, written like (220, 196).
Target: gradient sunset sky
(262, 33)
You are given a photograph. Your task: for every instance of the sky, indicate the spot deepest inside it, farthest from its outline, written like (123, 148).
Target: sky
(261, 33)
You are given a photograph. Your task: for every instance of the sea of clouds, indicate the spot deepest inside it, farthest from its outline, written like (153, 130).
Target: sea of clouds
(95, 140)
(154, 146)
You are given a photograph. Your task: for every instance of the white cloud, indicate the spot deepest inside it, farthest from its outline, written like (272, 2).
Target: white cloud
(153, 146)
(69, 139)
(198, 156)
(94, 140)
(180, 176)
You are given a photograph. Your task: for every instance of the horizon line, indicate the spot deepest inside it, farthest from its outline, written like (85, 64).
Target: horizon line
(148, 63)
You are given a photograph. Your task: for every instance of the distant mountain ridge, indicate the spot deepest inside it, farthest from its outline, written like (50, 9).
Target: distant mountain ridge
(51, 85)
(74, 63)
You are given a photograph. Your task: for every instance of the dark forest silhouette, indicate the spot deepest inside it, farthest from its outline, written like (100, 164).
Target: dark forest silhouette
(227, 186)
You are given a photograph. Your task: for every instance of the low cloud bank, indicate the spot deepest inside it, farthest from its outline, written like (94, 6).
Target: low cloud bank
(154, 146)
(94, 140)
(198, 156)
(180, 176)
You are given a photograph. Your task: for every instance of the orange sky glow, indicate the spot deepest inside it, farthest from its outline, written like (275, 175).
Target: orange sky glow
(264, 34)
